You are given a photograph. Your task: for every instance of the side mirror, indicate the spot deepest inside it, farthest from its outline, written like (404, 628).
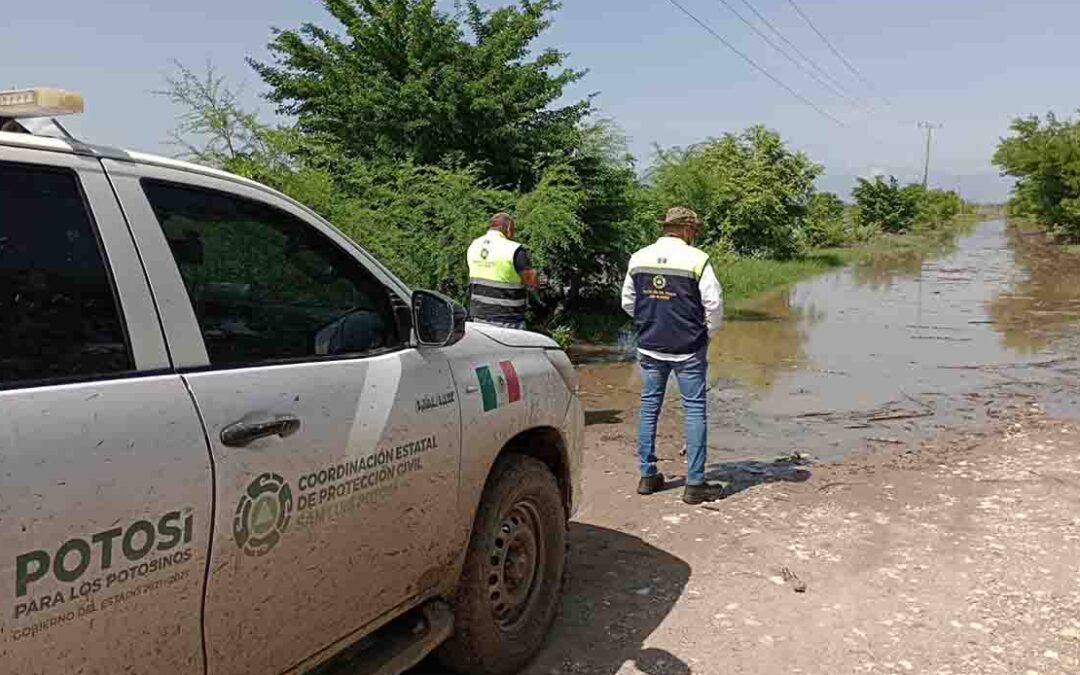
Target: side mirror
(438, 320)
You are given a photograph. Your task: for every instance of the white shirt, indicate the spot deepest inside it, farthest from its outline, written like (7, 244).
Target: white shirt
(712, 299)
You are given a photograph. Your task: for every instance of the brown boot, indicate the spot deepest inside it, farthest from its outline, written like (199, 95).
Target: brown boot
(698, 494)
(650, 484)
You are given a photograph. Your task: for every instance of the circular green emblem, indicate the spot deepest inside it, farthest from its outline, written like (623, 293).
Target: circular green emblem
(659, 282)
(263, 514)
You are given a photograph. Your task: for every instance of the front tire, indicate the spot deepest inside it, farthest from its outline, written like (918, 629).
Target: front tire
(510, 586)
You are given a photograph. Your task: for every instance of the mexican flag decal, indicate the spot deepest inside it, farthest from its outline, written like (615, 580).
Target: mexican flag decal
(499, 385)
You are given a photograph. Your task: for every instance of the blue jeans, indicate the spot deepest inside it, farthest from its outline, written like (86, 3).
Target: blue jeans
(691, 377)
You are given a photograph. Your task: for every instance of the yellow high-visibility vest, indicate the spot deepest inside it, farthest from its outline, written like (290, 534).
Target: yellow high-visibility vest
(496, 289)
(491, 259)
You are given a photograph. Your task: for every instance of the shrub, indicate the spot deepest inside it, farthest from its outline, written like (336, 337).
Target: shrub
(826, 224)
(937, 207)
(883, 204)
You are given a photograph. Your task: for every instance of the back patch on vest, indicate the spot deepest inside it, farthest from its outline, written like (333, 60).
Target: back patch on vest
(658, 289)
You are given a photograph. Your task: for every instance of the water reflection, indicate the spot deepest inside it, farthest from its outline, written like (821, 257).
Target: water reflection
(761, 340)
(897, 258)
(1045, 305)
(887, 351)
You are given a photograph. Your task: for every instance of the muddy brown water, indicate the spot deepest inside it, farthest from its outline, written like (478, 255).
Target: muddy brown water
(884, 353)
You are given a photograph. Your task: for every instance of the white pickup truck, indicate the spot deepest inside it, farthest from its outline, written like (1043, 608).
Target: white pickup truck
(233, 442)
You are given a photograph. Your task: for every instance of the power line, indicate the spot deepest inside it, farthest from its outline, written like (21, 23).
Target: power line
(813, 64)
(787, 56)
(830, 45)
(754, 64)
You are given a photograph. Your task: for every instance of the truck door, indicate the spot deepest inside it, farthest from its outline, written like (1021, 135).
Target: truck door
(335, 444)
(105, 489)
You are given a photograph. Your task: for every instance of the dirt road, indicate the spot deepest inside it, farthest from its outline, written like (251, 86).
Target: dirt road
(959, 557)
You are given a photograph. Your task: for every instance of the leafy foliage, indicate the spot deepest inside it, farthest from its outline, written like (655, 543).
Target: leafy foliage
(752, 192)
(402, 81)
(419, 219)
(210, 112)
(461, 97)
(936, 206)
(617, 212)
(884, 205)
(826, 222)
(1044, 157)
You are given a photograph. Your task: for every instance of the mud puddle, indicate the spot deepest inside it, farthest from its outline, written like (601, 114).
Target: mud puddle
(885, 354)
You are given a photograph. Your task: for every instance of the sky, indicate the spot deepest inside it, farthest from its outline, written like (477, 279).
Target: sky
(970, 66)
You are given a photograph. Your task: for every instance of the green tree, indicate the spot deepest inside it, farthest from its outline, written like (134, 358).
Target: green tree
(936, 207)
(826, 224)
(211, 127)
(406, 81)
(751, 190)
(1044, 157)
(616, 211)
(584, 217)
(884, 205)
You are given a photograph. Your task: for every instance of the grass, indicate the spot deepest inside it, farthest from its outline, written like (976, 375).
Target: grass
(746, 277)
(917, 244)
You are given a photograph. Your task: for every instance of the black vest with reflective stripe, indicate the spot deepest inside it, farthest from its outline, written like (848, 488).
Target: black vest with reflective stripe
(491, 301)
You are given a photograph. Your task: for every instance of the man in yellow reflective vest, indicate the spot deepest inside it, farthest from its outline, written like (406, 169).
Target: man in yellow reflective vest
(500, 274)
(676, 301)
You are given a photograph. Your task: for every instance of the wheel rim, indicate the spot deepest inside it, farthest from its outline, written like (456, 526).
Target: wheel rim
(517, 555)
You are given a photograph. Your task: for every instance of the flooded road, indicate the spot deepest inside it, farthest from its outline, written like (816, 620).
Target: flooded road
(884, 353)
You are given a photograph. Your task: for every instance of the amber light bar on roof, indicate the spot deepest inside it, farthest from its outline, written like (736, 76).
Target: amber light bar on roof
(39, 102)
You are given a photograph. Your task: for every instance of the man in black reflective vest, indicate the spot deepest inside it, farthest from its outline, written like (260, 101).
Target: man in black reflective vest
(676, 301)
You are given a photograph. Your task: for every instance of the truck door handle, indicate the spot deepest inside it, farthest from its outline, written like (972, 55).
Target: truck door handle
(244, 432)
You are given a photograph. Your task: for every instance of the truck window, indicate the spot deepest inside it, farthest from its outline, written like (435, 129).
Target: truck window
(59, 317)
(266, 286)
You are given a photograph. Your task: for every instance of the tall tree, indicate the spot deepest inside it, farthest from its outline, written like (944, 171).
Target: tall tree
(1044, 157)
(404, 80)
(751, 190)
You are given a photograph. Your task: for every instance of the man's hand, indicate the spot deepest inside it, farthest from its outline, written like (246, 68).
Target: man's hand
(534, 279)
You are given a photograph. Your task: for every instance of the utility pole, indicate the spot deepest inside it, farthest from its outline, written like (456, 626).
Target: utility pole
(929, 127)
